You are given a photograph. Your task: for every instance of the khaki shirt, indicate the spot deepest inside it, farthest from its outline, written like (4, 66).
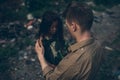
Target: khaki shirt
(81, 63)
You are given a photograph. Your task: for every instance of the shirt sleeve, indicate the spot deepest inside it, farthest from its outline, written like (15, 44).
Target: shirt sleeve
(51, 73)
(47, 70)
(55, 73)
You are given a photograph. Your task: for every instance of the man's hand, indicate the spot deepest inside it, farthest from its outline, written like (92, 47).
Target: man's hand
(40, 52)
(39, 47)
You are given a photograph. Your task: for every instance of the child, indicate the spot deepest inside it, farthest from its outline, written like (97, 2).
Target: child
(51, 30)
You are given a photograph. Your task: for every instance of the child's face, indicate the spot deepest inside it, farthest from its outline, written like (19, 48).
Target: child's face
(53, 28)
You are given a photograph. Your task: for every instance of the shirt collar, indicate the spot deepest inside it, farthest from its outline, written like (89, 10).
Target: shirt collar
(79, 45)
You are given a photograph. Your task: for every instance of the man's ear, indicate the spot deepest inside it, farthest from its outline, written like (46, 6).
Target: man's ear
(74, 27)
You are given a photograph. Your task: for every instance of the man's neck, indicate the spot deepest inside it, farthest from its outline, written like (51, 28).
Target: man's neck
(84, 36)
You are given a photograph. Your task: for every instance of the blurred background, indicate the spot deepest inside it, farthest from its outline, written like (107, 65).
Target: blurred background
(19, 22)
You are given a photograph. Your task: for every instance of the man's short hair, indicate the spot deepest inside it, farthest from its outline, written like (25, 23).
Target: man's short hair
(79, 13)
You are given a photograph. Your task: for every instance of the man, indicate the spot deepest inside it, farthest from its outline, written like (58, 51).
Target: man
(85, 55)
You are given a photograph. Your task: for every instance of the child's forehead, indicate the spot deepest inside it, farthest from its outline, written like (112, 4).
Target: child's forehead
(54, 24)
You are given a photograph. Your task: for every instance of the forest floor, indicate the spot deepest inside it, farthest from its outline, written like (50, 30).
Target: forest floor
(25, 65)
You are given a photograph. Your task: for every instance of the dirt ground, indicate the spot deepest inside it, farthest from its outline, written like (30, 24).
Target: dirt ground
(25, 65)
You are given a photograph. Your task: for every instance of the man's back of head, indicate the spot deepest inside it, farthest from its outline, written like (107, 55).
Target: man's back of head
(79, 13)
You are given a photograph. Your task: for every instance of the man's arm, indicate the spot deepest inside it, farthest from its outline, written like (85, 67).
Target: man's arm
(46, 68)
(40, 52)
